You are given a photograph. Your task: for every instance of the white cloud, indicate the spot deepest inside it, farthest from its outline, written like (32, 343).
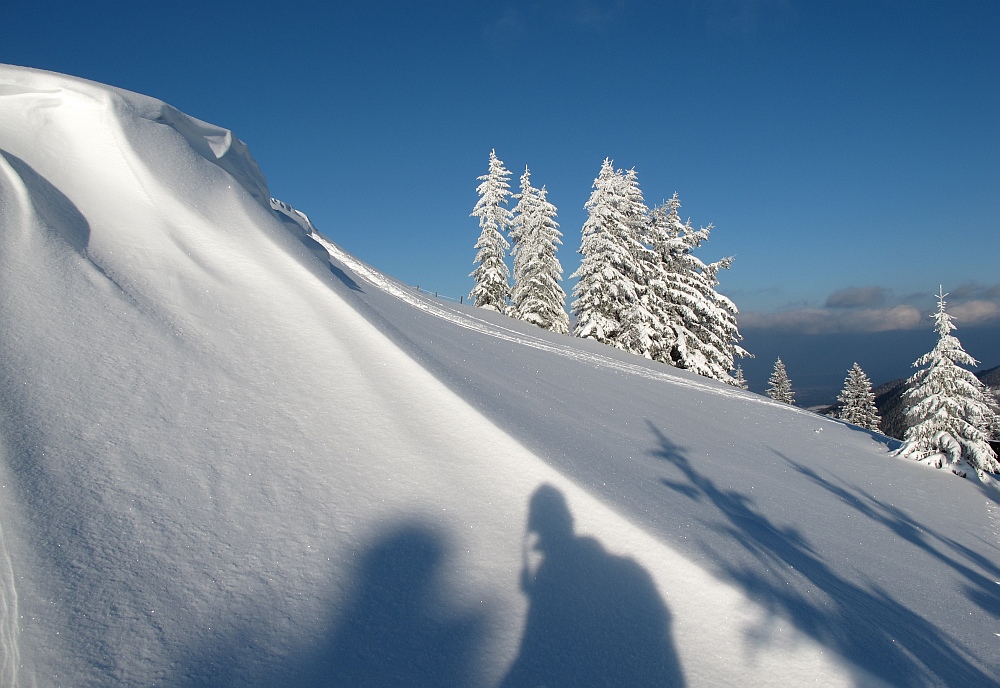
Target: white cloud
(861, 309)
(826, 320)
(974, 312)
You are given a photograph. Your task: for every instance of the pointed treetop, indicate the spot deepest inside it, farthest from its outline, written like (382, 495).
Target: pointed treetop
(943, 324)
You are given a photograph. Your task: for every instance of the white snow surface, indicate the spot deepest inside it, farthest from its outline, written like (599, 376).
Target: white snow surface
(225, 461)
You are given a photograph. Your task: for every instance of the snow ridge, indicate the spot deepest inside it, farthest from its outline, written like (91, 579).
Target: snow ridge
(296, 216)
(219, 146)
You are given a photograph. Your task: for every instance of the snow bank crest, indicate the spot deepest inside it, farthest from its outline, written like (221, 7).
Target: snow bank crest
(219, 146)
(298, 217)
(216, 144)
(298, 223)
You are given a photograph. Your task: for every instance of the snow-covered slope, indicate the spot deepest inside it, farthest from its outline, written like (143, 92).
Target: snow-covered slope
(225, 461)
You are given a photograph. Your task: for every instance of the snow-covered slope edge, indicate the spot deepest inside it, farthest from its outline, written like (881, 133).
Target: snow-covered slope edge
(216, 472)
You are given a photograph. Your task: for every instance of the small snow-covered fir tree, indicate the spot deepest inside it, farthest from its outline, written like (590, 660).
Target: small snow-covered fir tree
(491, 289)
(536, 296)
(739, 380)
(952, 413)
(694, 325)
(779, 386)
(608, 298)
(857, 400)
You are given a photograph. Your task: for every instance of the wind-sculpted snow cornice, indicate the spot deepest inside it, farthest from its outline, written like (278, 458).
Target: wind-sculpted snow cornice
(219, 146)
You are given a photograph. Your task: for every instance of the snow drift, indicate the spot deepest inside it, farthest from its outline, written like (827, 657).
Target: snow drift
(231, 454)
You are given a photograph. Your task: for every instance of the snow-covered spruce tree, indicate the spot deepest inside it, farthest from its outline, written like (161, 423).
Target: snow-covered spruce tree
(608, 298)
(779, 387)
(739, 380)
(857, 400)
(694, 325)
(491, 289)
(952, 413)
(536, 296)
(637, 322)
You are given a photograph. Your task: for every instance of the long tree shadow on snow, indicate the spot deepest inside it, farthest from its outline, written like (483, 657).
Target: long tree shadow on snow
(867, 627)
(594, 619)
(981, 588)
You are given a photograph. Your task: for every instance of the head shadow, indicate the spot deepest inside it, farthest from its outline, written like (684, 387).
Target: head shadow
(393, 629)
(594, 619)
(393, 625)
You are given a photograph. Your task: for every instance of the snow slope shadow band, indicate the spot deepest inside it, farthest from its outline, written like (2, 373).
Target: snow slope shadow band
(9, 649)
(56, 213)
(343, 276)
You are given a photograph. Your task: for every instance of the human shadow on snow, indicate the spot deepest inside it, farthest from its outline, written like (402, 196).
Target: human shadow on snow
(594, 619)
(393, 626)
(866, 626)
(393, 630)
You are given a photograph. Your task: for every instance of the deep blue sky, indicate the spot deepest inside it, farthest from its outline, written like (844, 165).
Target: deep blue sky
(848, 153)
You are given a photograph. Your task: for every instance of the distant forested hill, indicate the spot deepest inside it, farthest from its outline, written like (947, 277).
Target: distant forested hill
(892, 406)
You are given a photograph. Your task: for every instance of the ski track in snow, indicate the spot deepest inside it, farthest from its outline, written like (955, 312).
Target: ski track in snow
(380, 281)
